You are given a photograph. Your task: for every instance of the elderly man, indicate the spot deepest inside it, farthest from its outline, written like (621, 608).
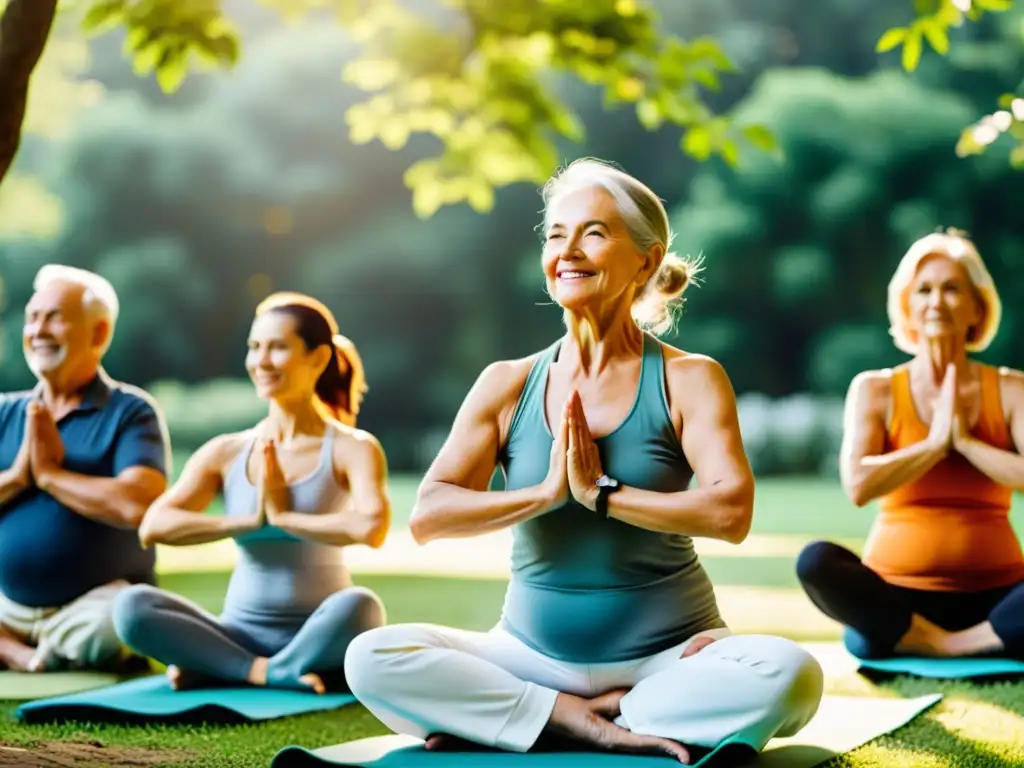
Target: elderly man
(83, 457)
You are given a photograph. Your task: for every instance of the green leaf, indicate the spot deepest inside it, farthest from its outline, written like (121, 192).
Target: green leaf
(912, 49)
(145, 59)
(996, 6)
(480, 196)
(103, 15)
(891, 39)
(698, 142)
(172, 69)
(1017, 157)
(730, 153)
(707, 78)
(760, 136)
(136, 39)
(566, 123)
(937, 36)
(649, 114)
(394, 134)
(1006, 100)
(427, 198)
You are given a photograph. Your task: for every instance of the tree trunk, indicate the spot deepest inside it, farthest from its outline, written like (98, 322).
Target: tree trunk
(24, 29)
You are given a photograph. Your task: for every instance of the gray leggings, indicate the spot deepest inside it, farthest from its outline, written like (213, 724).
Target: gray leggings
(175, 631)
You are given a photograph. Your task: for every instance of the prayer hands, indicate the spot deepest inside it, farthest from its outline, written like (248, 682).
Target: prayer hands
(945, 412)
(45, 448)
(584, 460)
(22, 466)
(557, 481)
(274, 489)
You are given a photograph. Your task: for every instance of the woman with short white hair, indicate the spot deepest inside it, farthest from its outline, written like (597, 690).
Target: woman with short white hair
(937, 440)
(610, 636)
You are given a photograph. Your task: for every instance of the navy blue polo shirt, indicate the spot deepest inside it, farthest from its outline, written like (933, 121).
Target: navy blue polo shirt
(50, 555)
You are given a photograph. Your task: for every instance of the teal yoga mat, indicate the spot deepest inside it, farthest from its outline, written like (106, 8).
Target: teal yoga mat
(151, 700)
(842, 723)
(945, 669)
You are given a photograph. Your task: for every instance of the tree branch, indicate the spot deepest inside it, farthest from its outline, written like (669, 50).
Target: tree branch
(24, 29)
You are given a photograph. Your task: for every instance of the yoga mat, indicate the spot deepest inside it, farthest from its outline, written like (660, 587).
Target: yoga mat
(26, 686)
(152, 700)
(842, 723)
(945, 669)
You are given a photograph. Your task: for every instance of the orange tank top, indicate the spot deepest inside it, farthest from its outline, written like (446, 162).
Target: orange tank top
(949, 530)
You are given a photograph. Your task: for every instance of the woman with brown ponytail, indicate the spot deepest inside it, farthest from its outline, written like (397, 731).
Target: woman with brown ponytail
(297, 488)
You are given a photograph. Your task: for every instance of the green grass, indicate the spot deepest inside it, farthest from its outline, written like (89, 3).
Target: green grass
(975, 726)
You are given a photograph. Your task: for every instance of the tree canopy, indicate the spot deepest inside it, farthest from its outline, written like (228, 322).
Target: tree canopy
(480, 78)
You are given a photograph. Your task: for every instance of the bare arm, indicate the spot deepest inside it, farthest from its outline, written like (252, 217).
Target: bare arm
(454, 499)
(24, 28)
(175, 518)
(722, 504)
(1004, 467)
(865, 471)
(119, 501)
(367, 516)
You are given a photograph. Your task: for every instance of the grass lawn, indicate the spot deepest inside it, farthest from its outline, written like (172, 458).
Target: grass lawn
(975, 726)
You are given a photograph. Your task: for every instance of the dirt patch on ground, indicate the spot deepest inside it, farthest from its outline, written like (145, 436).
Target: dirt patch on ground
(87, 754)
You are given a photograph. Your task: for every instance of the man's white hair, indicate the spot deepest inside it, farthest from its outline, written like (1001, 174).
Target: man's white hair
(98, 296)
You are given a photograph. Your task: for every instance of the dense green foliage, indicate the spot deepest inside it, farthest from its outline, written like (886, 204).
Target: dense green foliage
(197, 204)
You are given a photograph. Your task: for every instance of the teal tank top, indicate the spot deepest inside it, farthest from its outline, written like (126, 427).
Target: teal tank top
(586, 589)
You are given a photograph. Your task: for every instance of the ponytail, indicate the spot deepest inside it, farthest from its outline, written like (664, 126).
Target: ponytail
(342, 384)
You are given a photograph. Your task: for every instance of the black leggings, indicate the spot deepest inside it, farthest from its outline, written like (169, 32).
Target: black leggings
(877, 614)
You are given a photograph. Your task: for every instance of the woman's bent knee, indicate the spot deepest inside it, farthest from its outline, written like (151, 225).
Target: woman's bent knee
(131, 606)
(359, 609)
(373, 658)
(815, 560)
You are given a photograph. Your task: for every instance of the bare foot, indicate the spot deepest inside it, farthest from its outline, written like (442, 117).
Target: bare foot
(16, 655)
(590, 722)
(313, 681)
(258, 671)
(923, 638)
(187, 680)
(697, 645)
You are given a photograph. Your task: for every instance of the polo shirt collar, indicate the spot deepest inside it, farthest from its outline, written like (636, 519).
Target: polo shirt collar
(95, 394)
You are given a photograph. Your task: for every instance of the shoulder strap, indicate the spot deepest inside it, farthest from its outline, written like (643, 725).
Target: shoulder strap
(652, 373)
(992, 403)
(532, 396)
(901, 398)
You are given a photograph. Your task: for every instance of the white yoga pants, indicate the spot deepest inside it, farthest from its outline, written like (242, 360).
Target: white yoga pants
(491, 689)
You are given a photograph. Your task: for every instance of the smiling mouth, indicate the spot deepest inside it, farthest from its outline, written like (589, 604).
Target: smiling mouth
(43, 347)
(574, 275)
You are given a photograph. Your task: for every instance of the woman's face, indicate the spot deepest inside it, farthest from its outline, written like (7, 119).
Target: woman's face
(941, 300)
(279, 364)
(588, 256)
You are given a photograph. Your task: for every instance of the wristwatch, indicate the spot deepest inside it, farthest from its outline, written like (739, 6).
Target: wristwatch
(605, 485)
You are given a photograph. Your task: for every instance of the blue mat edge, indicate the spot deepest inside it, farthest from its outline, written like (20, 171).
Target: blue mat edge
(911, 665)
(315, 759)
(79, 700)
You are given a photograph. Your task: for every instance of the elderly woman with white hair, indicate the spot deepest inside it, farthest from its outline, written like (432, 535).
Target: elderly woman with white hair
(610, 637)
(937, 441)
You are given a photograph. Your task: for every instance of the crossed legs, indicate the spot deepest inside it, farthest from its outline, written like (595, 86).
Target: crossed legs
(79, 635)
(882, 619)
(490, 689)
(198, 648)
